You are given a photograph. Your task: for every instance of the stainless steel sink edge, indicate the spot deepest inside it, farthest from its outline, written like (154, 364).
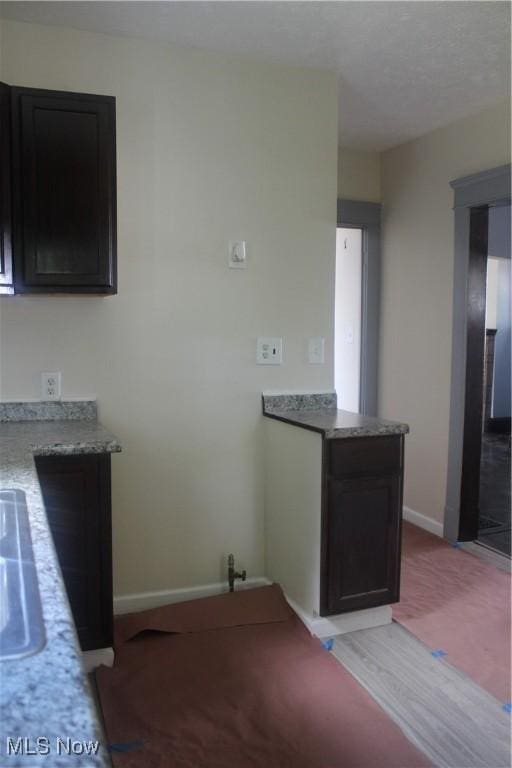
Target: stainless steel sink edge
(21, 621)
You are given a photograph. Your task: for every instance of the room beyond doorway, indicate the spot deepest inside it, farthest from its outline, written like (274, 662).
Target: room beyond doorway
(347, 328)
(485, 479)
(494, 520)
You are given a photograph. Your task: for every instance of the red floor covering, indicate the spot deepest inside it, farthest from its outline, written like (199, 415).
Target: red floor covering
(459, 604)
(236, 680)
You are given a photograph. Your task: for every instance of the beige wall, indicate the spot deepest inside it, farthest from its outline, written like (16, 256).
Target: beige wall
(209, 148)
(359, 175)
(417, 283)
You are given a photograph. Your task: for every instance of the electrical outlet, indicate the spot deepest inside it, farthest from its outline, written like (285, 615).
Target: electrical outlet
(50, 386)
(269, 350)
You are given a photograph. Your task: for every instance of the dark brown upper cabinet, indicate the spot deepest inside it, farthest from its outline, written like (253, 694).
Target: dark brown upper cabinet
(6, 281)
(63, 172)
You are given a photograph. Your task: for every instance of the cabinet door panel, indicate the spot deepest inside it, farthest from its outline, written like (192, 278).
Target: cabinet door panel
(64, 148)
(76, 492)
(363, 557)
(6, 278)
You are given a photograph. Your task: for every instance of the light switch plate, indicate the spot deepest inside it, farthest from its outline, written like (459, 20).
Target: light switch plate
(237, 254)
(269, 350)
(316, 350)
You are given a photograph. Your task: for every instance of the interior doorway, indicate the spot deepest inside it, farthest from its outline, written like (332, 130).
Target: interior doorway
(347, 326)
(494, 524)
(473, 195)
(485, 512)
(365, 219)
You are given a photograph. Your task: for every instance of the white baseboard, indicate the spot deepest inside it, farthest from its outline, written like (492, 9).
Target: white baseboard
(97, 658)
(143, 600)
(422, 521)
(330, 626)
(317, 625)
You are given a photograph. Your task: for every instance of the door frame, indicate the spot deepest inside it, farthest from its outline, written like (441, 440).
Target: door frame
(480, 190)
(355, 214)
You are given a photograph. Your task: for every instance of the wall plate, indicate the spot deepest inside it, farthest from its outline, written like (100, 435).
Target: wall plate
(316, 350)
(237, 254)
(50, 385)
(269, 350)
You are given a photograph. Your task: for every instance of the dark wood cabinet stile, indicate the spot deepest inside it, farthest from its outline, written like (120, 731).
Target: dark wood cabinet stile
(77, 497)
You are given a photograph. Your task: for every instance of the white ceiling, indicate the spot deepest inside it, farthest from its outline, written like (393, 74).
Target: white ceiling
(404, 68)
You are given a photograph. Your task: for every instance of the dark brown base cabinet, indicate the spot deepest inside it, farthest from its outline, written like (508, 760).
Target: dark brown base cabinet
(76, 493)
(361, 523)
(333, 512)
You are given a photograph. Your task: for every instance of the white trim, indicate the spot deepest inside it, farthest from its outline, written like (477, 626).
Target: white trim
(97, 658)
(330, 626)
(17, 401)
(141, 601)
(422, 521)
(320, 626)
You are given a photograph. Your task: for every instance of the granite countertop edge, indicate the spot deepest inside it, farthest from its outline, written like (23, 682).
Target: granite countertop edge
(76, 448)
(319, 413)
(379, 428)
(48, 693)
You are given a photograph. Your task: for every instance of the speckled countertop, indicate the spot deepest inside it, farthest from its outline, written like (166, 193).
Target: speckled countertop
(319, 413)
(47, 694)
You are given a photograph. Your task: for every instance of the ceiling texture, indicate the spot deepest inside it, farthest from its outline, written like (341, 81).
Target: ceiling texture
(404, 68)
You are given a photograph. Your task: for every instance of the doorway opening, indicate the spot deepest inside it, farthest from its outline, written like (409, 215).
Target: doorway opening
(348, 312)
(494, 525)
(485, 514)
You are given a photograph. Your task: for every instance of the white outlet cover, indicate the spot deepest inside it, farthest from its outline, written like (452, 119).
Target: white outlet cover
(50, 385)
(316, 350)
(237, 254)
(269, 350)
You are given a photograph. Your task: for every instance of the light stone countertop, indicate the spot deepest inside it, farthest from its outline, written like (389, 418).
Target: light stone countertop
(319, 413)
(47, 694)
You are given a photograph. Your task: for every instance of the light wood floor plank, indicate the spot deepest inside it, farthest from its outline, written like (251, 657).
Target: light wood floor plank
(443, 712)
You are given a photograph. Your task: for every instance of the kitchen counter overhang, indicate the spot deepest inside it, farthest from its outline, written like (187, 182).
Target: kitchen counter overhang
(319, 413)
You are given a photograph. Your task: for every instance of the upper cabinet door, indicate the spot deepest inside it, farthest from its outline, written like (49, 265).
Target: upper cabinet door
(64, 192)
(6, 284)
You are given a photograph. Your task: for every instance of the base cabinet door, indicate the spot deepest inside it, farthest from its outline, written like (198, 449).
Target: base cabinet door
(361, 523)
(363, 543)
(76, 493)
